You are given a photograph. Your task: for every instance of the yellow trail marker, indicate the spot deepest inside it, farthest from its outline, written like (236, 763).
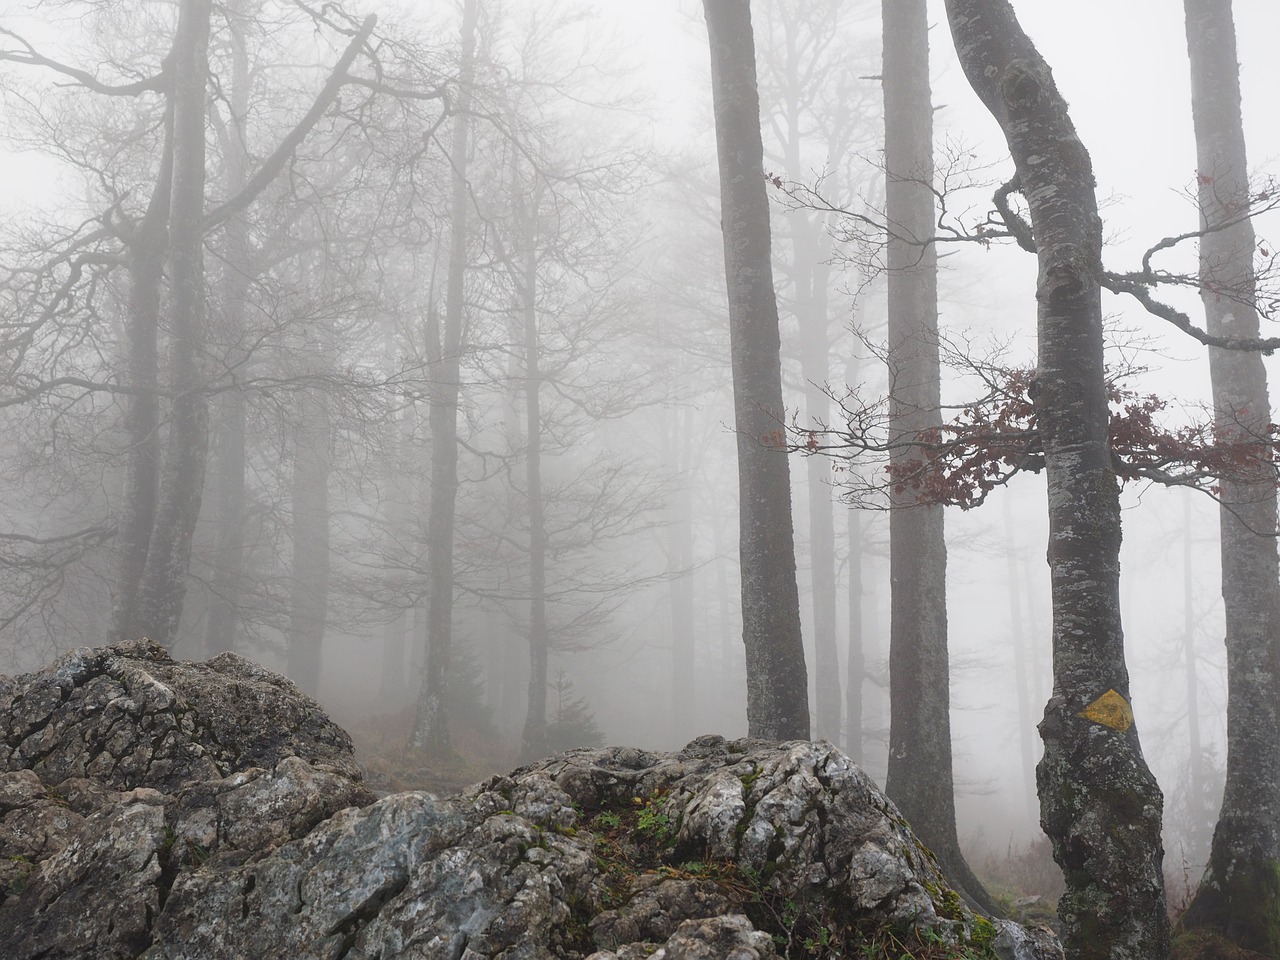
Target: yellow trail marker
(1110, 710)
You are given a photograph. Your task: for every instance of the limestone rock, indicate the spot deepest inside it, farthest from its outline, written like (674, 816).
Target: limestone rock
(128, 715)
(211, 811)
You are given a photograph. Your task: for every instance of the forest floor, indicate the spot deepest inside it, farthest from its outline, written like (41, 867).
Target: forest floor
(390, 766)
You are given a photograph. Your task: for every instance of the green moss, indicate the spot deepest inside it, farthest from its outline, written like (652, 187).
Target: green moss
(1208, 945)
(1243, 914)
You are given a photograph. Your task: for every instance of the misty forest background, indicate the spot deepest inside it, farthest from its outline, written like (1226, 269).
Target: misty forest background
(483, 240)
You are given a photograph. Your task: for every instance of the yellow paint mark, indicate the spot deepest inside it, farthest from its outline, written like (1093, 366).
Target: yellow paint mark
(1110, 710)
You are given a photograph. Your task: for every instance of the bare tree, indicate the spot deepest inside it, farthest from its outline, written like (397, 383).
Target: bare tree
(813, 116)
(920, 778)
(777, 685)
(431, 728)
(1239, 896)
(1100, 805)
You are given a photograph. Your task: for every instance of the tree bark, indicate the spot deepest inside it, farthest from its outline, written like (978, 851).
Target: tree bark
(1239, 896)
(229, 451)
(856, 663)
(431, 726)
(919, 778)
(1100, 805)
(309, 579)
(164, 577)
(1020, 633)
(811, 311)
(680, 591)
(777, 682)
(142, 415)
(534, 742)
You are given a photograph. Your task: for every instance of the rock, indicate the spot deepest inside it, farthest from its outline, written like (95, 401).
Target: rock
(96, 897)
(723, 850)
(711, 938)
(128, 715)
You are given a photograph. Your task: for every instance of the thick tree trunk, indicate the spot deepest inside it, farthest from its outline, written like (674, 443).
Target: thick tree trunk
(1099, 803)
(777, 683)
(919, 778)
(1239, 896)
(164, 577)
(431, 727)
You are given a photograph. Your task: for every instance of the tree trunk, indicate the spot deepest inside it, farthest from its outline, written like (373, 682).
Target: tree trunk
(856, 666)
(431, 726)
(1239, 896)
(680, 593)
(1100, 806)
(146, 252)
(309, 581)
(1197, 813)
(777, 682)
(919, 778)
(811, 312)
(1020, 634)
(142, 416)
(534, 743)
(229, 451)
(391, 687)
(164, 577)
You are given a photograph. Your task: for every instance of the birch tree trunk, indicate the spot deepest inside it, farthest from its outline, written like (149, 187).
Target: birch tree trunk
(431, 726)
(777, 682)
(1099, 803)
(1239, 896)
(919, 778)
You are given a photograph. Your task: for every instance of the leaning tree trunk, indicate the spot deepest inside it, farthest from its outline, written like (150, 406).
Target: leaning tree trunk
(919, 778)
(164, 578)
(431, 726)
(1099, 803)
(777, 683)
(1239, 896)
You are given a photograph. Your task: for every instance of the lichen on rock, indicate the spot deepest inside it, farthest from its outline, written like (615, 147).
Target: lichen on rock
(207, 836)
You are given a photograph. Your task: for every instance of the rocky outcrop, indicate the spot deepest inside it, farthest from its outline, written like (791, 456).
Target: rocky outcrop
(127, 716)
(725, 849)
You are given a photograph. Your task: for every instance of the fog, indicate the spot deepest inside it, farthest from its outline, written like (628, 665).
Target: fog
(593, 293)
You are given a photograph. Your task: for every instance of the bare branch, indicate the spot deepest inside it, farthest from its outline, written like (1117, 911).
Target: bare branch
(28, 55)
